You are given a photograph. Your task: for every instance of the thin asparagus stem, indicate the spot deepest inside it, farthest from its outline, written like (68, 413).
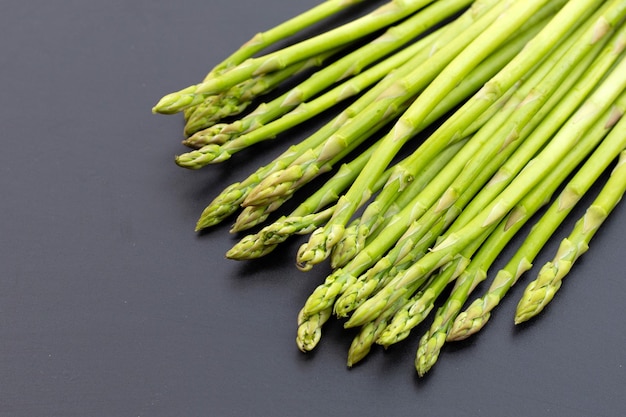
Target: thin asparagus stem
(228, 201)
(544, 162)
(216, 153)
(478, 313)
(432, 342)
(391, 12)
(234, 101)
(425, 228)
(394, 196)
(541, 291)
(489, 39)
(289, 27)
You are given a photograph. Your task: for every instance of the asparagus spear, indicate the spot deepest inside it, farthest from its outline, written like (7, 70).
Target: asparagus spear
(215, 153)
(395, 195)
(280, 32)
(256, 245)
(386, 15)
(471, 83)
(490, 38)
(390, 99)
(346, 251)
(567, 136)
(432, 342)
(541, 291)
(202, 120)
(426, 228)
(324, 295)
(303, 217)
(419, 306)
(227, 202)
(310, 329)
(478, 313)
(394, 39)
(363, 341)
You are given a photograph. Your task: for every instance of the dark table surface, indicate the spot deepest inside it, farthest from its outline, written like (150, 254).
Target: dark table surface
(110, 304)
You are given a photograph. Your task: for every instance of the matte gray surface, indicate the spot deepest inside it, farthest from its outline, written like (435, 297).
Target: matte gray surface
(110, 305)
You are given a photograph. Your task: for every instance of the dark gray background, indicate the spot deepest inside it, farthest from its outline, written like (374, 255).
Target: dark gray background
(110, 305)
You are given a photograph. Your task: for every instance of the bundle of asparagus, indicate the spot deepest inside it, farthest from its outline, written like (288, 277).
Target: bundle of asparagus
(463, 119)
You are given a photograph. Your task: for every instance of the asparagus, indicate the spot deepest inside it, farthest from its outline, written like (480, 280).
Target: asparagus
(543, 163)
(310, 329)
(304, 217)
(257, 245)
(345, 251)
(387, 101)
(280, 32)
(227, 202)
(478, 313)
(201, 125)
(409, 124)
(336, 282)
(422, 304)
(432, 342)
(216, 153)
(417, 307)
(394, 196)
(541, 291)
(353, 292)
(353, 63)
(327, 194)
(543, 134)
(368, 334)
(324, 295)
(421, 234)
(386, 15)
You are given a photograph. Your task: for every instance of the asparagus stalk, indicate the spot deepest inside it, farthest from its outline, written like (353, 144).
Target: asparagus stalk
(310, 329)
(386, 15)
(234, 101)
(227, 202)
(426, 228)
(558, 147)
(354, 289)
(304, 217)
(432, 342)
(281, 185)
(419, 307)
(368, 334)
(389, 101)
(541, 291)
(325, 294)
(478, 313)
(257, 245)
(395, 38)
(216, 153)
(416, 306)
(485, 43)
(344, 251)
(282, 31)
(395, 195)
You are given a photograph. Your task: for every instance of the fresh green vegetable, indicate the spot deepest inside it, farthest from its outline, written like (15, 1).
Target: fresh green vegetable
(454, 123)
